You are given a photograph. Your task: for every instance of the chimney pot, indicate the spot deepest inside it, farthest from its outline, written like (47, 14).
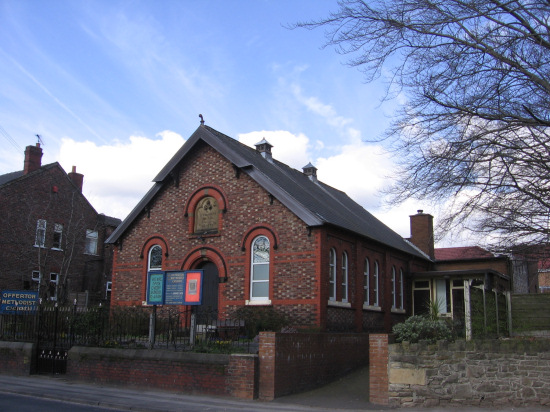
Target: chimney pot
(77, 179)
(33, 158)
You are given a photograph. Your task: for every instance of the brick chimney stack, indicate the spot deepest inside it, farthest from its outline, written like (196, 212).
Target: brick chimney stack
(422, 232)
(33, 158)
(77, 179)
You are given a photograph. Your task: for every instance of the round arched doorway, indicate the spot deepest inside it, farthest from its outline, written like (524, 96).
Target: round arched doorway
(210, 282)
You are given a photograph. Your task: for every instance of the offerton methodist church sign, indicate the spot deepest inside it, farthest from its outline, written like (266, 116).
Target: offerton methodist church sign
(18, 301)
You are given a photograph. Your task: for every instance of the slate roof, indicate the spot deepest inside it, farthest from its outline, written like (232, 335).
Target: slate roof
(8, 177)
(462, 253)
(314, 202)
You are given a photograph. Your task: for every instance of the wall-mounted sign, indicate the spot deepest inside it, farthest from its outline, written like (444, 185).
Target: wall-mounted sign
(18, 301)
(174, 287)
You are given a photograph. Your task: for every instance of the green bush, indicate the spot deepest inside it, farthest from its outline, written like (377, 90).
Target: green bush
(260, 319)
(417, 328)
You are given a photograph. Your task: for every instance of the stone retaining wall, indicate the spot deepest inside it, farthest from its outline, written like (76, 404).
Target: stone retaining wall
(16, 358)
(491, 373)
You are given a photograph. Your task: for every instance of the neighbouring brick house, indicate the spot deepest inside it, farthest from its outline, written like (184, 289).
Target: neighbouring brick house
(52, 239)
(265, 235)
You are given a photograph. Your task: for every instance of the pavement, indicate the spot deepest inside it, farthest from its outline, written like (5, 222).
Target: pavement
(347, 394)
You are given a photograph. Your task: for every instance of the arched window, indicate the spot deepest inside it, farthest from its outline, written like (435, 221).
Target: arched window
(332, 275)
(206, 215)
(376, 284)
(401, 280)
(366, 284)
(344, 277)
(393, 289)
(155, 258)
(259, 272)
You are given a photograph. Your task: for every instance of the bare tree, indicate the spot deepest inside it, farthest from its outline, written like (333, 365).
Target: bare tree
(475, 129)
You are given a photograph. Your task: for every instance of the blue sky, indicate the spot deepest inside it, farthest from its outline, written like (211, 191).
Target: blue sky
(115, 87)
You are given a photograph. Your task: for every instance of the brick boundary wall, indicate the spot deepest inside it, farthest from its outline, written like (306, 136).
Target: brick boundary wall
(195, 373)
(295, 362)
(16, 358)
(378, 369)
(487, 374)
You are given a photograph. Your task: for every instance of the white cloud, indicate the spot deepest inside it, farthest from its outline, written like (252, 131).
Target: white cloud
(116, 176)
(314, 105)
(288, 148)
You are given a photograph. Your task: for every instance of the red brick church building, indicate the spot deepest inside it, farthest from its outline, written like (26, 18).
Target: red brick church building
(265, 234)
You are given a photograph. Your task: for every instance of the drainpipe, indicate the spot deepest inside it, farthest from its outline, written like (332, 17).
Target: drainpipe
(467, 309)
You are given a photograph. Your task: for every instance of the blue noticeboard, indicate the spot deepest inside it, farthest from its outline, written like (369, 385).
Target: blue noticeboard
(174, 288)
(155, 288)
(18, 302)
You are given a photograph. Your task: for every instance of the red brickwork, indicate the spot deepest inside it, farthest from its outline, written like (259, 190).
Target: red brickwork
(378, 370)
(299, 255)
(194, 373)
(48, 193)
(294, 362)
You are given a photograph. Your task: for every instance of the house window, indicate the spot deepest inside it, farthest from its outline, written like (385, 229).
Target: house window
(443, 296)
(35, 278)
(108, 288)
(259, 279)
(57, 235)
(376, 284)
(421, 297)
(206, 216)
(393, 288)
(344, 277)
(54, 280)
(401, 286)
(40, 239)
(332, 275)
(90, 247)
(366, 276)
(155, 258)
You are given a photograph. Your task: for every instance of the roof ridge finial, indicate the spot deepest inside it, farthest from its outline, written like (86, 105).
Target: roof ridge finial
(202, 119)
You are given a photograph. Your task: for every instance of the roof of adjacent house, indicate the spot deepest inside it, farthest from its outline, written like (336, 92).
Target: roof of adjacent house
(462, 253)
(14, 177)
(314, 202)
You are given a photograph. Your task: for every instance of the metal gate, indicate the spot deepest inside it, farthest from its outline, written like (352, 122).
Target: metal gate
(53, 339)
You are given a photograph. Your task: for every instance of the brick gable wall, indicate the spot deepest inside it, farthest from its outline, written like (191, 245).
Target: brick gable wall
(49, 194)
(299, 263)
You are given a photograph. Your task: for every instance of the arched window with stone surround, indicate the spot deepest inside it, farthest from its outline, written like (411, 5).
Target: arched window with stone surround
(206, 215)
(154, 261)
(259, 272)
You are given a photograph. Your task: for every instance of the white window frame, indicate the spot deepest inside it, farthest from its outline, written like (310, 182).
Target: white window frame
(149, 267)
(332, 275)
(40, 237)
(393, 289)
(376, 283)
(344, 277)
(255, 264)
(401, 289)
(366, 285)
(92, 238)
(54, 278)
(108, 288)
(57, 231)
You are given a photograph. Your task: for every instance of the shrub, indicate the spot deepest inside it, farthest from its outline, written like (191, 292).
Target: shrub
(417, 328)
(261, 318)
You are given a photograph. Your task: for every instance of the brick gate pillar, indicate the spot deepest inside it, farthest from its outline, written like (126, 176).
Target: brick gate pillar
(378, 369)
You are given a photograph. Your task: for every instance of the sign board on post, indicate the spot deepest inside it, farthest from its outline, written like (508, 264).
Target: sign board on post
(193, 287)
(18, 301)
(155, 288)
(175, 286)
